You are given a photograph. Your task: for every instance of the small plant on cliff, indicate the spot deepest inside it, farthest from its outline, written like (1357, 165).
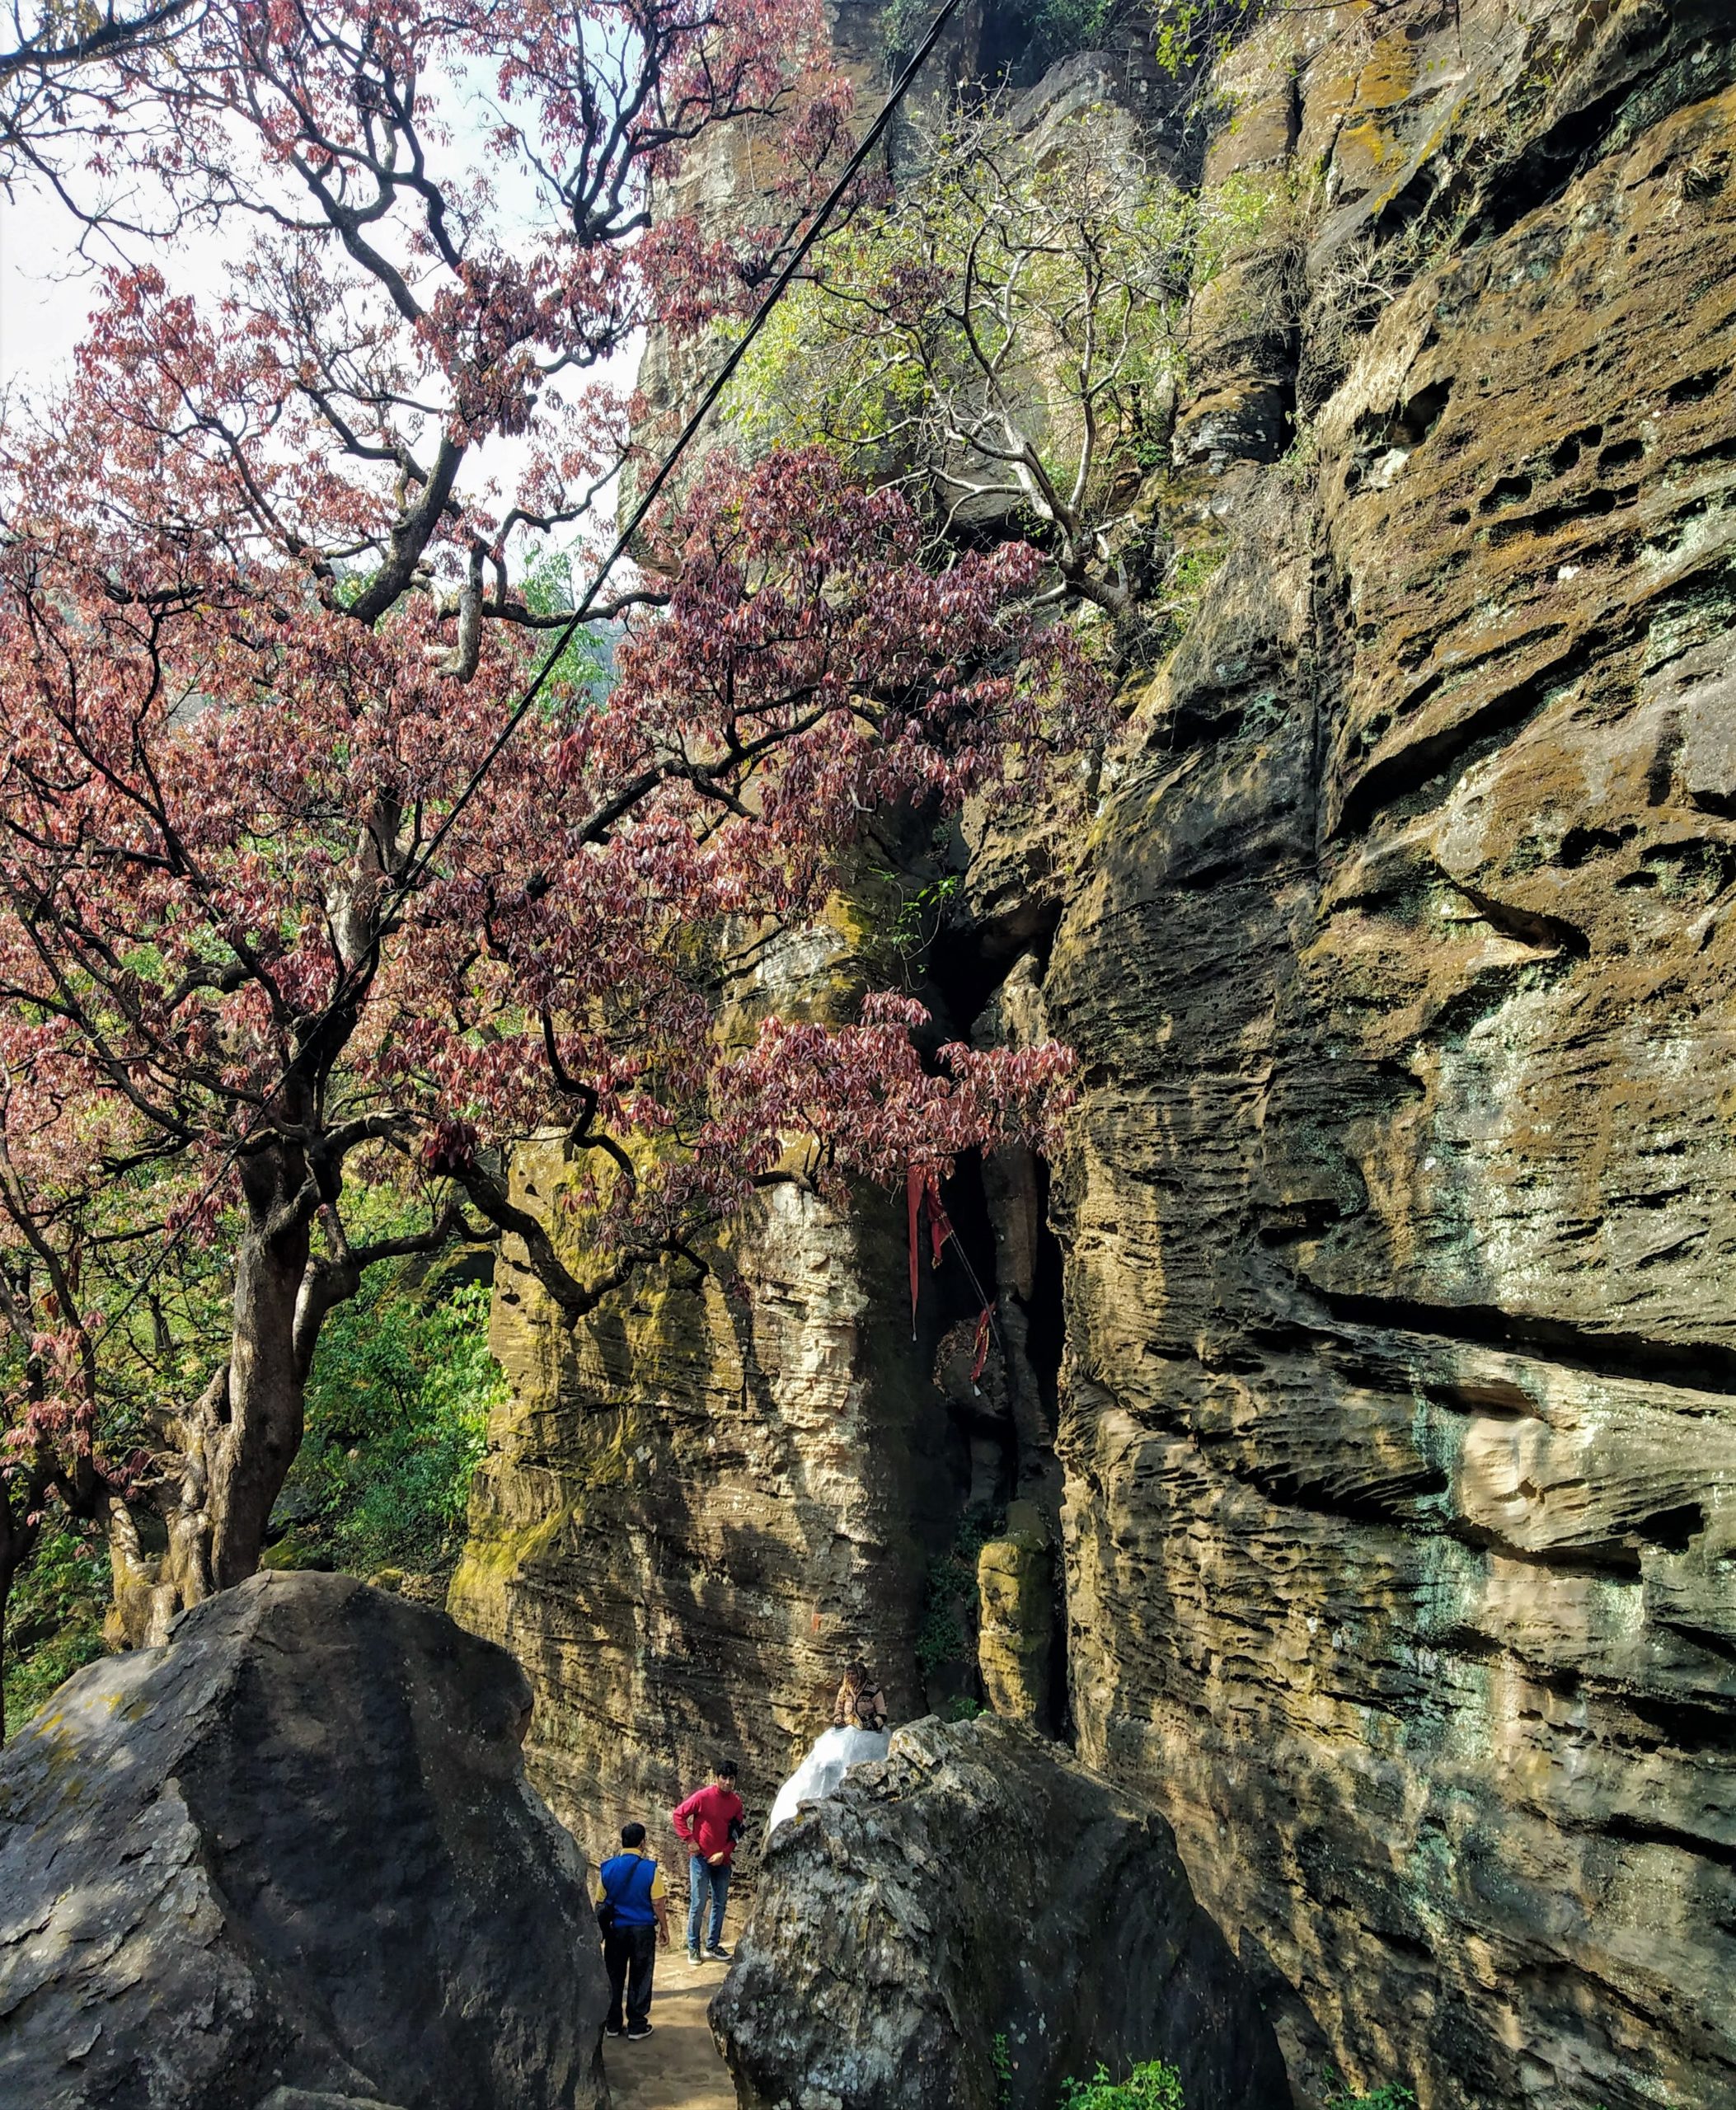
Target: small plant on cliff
(1001, 2057)
(1002, 342)
(1390, 2095)
(948, 1632)
(1151, 2086)
(1059, 27)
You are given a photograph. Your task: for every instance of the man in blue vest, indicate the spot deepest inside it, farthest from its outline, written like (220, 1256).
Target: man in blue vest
(631, 1903)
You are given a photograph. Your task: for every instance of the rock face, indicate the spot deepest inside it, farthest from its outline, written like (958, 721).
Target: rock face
(976, 1886)
(696, 1510)
(290, 1860)
(1396, 1447)
(1400, 1409)
(1016, 1633)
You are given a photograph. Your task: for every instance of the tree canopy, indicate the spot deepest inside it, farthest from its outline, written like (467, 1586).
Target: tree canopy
(281, 918)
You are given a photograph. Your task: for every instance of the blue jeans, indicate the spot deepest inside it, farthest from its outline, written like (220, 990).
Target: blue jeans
(705, 1881)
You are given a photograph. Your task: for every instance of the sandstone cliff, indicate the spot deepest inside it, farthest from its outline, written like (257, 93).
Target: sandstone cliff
(692, 1512)
(1396, 1451)
(1401, 1452)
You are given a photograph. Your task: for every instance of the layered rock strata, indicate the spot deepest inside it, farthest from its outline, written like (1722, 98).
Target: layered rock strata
(696, 1509)
(1399, 1411)
(689, 1518)
(1397, 1445)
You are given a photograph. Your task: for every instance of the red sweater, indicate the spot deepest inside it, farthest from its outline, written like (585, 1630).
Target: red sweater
(704, 1820)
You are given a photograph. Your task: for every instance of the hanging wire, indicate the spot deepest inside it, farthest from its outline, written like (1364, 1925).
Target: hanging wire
(581, 613)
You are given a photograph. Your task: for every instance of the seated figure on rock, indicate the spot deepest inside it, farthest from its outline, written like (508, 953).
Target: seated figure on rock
(858, 1735)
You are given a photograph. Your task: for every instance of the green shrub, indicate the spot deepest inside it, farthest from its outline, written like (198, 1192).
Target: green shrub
(1002, 2057)
(397, 1407)
(53, 1619)
(946, 1638)
(1152, 2086)
(1390, 2095)
(1003, 340)
(1061, 27)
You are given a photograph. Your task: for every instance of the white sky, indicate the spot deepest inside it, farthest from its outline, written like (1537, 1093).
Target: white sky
(46, 291)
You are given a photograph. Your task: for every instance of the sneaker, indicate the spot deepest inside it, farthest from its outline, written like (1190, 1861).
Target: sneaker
(692, 1956)
(613, 2029)
(639, 2029)
(718, 1952)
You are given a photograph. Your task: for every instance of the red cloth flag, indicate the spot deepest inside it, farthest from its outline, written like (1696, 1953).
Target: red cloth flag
(913, 1184)
(980, 1355)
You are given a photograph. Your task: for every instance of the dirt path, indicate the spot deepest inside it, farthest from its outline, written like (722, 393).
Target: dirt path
(676, 2067)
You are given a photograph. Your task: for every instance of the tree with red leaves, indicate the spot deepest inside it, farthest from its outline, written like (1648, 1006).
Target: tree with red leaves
(272, 933)
(234, 957)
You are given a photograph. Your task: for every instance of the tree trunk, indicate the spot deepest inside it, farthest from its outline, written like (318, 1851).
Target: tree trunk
(6, 1572)
(268, 1383)
(237, 1442)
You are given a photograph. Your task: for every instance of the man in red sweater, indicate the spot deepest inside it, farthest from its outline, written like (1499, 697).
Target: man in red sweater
(710, 1823)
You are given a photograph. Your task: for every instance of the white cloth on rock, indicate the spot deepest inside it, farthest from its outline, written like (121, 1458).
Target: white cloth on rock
(819, 1773)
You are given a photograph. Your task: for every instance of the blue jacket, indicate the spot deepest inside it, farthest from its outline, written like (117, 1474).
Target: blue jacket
(626, 1882)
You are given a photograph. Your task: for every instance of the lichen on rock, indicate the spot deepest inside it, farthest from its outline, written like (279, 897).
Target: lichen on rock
(966, 1923)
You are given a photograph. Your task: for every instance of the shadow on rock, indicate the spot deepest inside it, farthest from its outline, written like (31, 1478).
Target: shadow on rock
(976, 1886)
(289, 1860)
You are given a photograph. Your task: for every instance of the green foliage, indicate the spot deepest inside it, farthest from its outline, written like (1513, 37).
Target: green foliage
(903, 25)
(1189, 34)
(963, 1708)
(1390, 2095)
(941, 1638)
(919, 914)
(1185, 35)
(1152, 2086)
(1001, 2057)
(945, 1637)
(53, 1620)
(398, 1407)
(1060, 27)
(1192, 572)
(1055, 28)
(1004, 340)
(582, 672)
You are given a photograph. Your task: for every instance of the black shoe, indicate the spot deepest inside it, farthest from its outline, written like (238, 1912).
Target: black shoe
(639, 2029)
(692, 1956)
(613, 2029)
(719, 1952)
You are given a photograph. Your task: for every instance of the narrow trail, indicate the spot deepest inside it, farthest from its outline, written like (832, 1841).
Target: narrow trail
(677, 2066)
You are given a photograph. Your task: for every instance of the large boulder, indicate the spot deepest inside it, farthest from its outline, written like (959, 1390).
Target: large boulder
(291, 1859)
(962, 1927)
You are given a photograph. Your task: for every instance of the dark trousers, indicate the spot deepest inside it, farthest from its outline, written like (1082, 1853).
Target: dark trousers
(629, 1955)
